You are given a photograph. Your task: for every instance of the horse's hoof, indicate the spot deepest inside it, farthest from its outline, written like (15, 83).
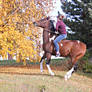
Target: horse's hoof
(66, 78)
(42, 71)
(52, 74)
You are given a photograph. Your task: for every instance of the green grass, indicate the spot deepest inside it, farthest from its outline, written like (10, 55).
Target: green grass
(54, 62)
(14, 63)
(58, 62)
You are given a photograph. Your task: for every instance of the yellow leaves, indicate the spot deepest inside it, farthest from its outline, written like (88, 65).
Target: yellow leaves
(5, 13)
(4, 54)
(18, 36)
(0, 1)
(0, 22)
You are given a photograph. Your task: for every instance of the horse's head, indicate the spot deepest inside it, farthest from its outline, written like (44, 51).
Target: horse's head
(44, 23)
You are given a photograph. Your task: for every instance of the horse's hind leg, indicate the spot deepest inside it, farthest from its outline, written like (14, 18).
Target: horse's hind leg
(41, 62)
(74, 68)
(70, 72)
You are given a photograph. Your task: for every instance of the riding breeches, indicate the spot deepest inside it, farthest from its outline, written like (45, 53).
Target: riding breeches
(58, 39)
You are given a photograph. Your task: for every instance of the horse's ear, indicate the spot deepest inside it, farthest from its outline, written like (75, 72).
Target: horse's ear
(58, 13)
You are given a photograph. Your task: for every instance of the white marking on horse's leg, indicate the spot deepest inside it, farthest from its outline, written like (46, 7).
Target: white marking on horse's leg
(50, 71)
(69, 73)
(61, 44)
(41, 65)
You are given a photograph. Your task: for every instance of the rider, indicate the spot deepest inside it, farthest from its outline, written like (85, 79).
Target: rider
(60, 27)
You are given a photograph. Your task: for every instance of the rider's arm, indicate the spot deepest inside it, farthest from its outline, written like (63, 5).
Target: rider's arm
(57, 25)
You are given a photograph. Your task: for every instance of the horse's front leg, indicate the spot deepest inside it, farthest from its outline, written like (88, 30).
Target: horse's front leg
(48, 55)
(41, 63)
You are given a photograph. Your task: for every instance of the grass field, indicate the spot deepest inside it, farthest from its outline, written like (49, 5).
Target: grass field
(23, 79)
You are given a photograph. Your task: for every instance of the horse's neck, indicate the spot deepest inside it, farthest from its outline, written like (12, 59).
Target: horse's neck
(45, 36)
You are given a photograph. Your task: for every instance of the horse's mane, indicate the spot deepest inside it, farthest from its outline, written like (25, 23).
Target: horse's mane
(52, 28)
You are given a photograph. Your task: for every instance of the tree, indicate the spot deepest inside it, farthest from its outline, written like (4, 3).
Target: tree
(18, 36)
(79, 19)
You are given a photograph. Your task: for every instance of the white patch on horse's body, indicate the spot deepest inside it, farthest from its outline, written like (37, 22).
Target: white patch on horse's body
(50, 71)
(52, 38)
(78, 41)
(69, 73)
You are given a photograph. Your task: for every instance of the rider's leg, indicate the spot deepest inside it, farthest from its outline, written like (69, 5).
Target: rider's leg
(58, 39)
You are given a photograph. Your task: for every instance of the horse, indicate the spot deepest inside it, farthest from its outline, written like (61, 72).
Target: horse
(74, 49)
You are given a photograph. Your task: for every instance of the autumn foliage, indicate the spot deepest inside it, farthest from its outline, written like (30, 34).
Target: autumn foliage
(18, 36)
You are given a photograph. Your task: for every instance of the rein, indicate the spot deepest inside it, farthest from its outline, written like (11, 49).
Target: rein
(53, 32)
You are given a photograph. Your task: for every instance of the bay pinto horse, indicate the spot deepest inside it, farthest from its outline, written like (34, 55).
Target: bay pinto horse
(72, 48)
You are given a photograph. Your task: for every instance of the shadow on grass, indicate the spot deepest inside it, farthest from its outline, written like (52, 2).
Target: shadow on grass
(32, 74)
